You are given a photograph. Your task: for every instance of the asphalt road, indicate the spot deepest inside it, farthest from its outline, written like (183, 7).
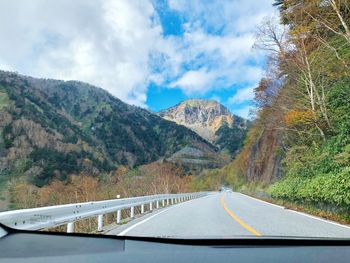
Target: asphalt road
(226, 215)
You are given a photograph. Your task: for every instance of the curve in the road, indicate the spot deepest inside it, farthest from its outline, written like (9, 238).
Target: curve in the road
(233, 215)
(240, 221)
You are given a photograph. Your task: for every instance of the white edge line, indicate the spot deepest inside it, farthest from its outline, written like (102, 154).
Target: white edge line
(141, 222)
(149, 218)
(300, 213)
(282, 207)
(320, 219)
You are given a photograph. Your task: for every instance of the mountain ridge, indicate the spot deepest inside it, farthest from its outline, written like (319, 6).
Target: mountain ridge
(211, 120)
(53, 128)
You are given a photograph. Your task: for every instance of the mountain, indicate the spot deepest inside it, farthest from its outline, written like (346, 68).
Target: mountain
(53, 128)
(211, 120)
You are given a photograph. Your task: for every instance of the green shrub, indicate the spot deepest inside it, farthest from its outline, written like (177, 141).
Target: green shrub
(333, 189)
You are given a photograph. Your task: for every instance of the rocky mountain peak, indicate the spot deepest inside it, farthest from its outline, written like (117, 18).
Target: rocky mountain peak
(204, 117)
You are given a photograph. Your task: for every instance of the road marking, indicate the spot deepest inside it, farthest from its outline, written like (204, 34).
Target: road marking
(320, 219)
(241, 222)
(262, 201)
(149, 218)
(141, 222)
(300, 213)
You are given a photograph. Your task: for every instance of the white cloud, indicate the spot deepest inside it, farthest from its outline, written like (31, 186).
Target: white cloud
(218, 61)
(106, 43)
(239, 16)
(218, 37)
(242, 95)
(198, 81)
(118, 45)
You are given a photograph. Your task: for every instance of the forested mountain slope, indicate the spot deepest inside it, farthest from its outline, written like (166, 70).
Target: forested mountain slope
(298, 148)
(52, 128)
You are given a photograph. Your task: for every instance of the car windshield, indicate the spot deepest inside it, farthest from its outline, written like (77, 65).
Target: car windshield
(176, 119)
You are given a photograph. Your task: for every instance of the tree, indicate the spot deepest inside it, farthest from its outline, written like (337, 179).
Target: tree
(322, 19)
(271, 37)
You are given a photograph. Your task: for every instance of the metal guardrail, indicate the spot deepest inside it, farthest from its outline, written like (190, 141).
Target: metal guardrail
(52, 216)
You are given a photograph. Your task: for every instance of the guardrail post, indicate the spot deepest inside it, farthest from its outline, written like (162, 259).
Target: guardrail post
(132, 214)
(97, 209)
(100, 223)
(119, 216)
(70, 227)
(142, 208)
(150, 206)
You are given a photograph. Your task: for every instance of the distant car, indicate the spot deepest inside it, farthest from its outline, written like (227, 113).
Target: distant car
(225, 189)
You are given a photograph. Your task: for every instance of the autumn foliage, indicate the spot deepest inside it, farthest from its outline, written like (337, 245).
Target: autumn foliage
(297, 149)
(294, 118)
(154, 178)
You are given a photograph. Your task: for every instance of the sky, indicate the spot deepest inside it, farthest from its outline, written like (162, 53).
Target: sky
(150, 53)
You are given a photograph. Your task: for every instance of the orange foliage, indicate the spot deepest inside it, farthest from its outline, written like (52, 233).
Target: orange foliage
(154, 178)
(296, 118)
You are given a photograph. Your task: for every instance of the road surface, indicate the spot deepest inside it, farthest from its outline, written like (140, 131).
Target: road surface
(224, 215)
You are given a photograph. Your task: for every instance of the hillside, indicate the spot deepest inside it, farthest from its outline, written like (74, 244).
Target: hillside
(211, 120)
(52, 128)
(298, 148)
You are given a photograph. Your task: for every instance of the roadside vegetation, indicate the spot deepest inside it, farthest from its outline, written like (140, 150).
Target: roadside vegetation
(298, 149)
(150, 179)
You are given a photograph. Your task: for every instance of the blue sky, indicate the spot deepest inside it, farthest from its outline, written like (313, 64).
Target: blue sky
(151, 53)
(236, 94)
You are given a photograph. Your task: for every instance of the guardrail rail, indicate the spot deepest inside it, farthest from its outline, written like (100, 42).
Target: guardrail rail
(52, 216)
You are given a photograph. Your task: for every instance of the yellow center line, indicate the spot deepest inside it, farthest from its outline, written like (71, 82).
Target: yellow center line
(240, 221)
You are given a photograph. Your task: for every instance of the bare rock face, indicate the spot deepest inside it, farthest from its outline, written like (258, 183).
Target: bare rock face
(205, 117)
(212, 121)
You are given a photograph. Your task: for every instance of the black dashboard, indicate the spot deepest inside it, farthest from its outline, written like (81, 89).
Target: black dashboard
(30, 246)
